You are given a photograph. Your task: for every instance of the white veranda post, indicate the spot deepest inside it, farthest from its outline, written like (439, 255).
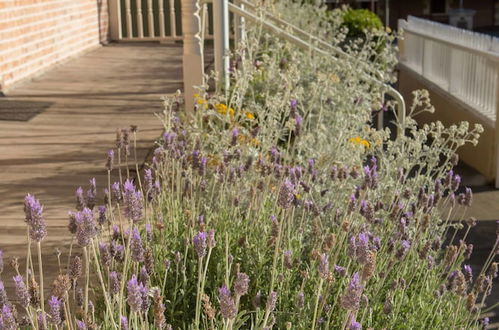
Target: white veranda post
(193, 64)
(221, 36)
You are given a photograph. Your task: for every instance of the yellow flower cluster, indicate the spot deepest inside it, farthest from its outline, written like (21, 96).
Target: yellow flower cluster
(222, 108)
(201, 101)
(360, 141)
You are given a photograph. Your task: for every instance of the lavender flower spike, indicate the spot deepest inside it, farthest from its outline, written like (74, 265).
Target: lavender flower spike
(323, 266)
(22, 291)
(34, 218)
(132, 201)
(199, 242)
(271, 301)
(3, 294)
(114, 282)
(110, 160)
(86, 227)
(136, 246)
(123, 322)
(241, 284)
(351, 299)
(134, 297)
(286, 194)
(80, 199)
(227, 305)
(80, 325)
(7, 319)
(55, 310)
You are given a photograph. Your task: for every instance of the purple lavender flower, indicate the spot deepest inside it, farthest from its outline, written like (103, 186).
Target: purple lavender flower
(323, 266)
(341, 271)
(227, 305)
(149, 185)
(86, 228)
(311, 165)
(34, 218)
(257, 300)
(241, 284)
(136, 246)
(42, 321)
(124, 322)
(404, 248)
(55, 310)
(211, 239)
(91, 194)
(114, 282)
(80, 325)
(105, 253)
(116, 191)
(194, 160)
(132, 200)
(286, 194)
(351, 299)
(110, 160)
(468, 197)
(80, 199)
(275, 155)
(367, 210)
(3, 294)
(149, 232)
(298, 124)
(202, 165)
(352, 203)
(199, 242)
(300, 300)
(456, 181)
(271, 301)
(144, 275)
(102, 219)
(468, 273)
(134, 297)
(288, 259)
(293, 104)
(234, 135)
(354, 325)
(7, 319)
(22, 292)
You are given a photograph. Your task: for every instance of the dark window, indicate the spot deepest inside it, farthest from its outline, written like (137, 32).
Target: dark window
(437, 6)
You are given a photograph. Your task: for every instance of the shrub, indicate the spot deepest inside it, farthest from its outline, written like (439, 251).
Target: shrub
(360, 21)
(232, 226)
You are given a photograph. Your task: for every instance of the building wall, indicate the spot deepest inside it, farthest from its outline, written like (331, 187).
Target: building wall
(485, 16)
(36, 34)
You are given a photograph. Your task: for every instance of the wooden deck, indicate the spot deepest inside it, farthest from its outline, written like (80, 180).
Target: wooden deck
(86, 100)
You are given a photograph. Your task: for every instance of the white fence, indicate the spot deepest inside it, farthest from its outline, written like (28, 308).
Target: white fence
(151, 20)
(463, 63)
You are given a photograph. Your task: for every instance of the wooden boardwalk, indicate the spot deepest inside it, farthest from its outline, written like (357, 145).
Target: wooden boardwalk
(86, 100)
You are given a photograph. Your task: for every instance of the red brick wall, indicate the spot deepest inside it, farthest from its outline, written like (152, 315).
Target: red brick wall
(35, 34)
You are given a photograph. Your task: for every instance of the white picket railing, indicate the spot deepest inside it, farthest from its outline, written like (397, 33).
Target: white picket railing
(463, 63)
(149, 20)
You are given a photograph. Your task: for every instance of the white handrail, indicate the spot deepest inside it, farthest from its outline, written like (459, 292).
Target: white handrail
(401, 111)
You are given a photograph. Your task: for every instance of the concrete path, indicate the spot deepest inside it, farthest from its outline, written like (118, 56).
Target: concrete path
(86, 100)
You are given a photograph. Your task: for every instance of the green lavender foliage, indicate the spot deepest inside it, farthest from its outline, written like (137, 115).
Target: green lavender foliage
(282, 178)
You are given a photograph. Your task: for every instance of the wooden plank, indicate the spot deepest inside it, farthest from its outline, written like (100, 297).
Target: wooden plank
(64, 146)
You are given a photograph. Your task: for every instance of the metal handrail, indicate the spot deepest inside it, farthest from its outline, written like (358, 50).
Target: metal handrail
(401, 111)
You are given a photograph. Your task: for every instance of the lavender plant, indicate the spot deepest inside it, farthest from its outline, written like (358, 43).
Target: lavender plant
(270, 205)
